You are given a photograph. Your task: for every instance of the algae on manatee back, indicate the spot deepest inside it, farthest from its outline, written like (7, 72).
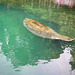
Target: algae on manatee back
(44, 31)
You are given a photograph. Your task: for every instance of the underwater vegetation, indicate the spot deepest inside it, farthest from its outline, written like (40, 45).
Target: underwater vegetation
(49, 12)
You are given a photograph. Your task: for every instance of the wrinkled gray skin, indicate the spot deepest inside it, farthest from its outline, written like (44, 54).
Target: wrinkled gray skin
(44, 31)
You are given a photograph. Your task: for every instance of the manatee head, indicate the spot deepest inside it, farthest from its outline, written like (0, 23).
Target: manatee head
(68, 39)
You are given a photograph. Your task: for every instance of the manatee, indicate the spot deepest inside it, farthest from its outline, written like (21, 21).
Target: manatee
(44, 31)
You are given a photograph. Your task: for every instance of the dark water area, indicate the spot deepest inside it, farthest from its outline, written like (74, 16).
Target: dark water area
(24, 53)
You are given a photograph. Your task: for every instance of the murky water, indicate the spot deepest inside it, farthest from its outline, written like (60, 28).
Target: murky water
(24, 53)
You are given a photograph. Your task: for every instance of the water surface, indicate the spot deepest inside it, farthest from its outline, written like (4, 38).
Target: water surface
(24, 53)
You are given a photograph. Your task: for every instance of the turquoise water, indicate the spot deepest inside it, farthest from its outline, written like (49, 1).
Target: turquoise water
(24, 53)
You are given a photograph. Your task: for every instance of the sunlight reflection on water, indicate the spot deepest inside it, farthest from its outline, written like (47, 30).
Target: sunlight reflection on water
(23, 53)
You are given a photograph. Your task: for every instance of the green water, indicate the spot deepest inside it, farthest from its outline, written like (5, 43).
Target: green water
(24, 53)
